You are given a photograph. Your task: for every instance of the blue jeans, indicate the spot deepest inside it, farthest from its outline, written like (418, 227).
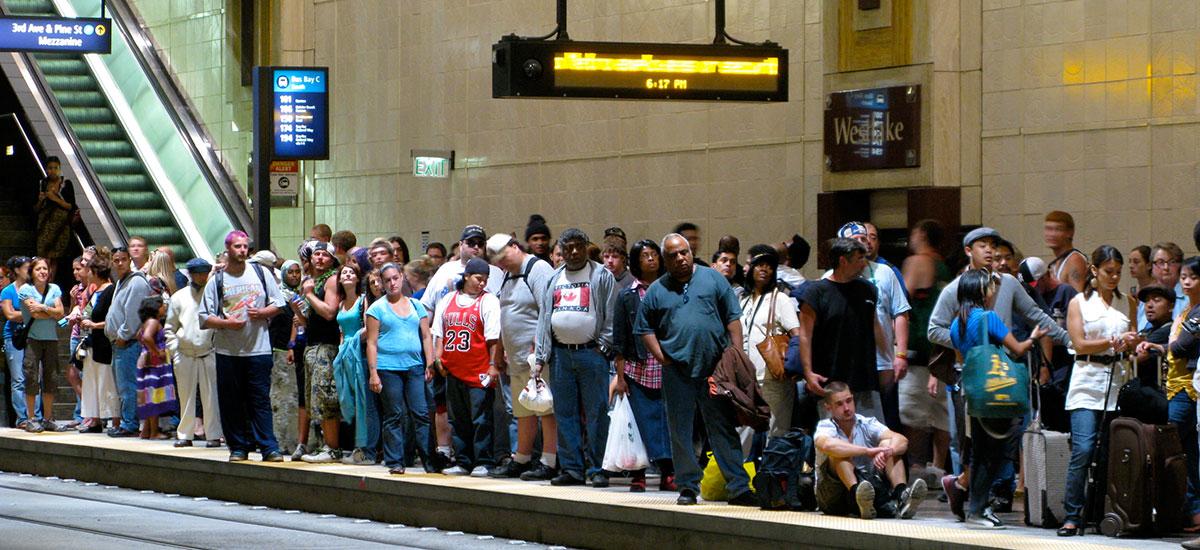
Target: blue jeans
(579, 379)
(16, 374)
(124, 367)
(650, 413)
(244, 396)
(78, 400)
(471, 421)
(1085, 431)
(1181, 411)
(403, 398)
(682, 395)
(988, 457)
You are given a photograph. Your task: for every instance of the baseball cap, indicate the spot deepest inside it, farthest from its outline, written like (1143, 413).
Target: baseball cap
(980, 233)
(851, 230)
(1031, 270)
(472, 231)
(497, 243)
(1150, 290)
(476, 266)
(198, 265)
(264, 258)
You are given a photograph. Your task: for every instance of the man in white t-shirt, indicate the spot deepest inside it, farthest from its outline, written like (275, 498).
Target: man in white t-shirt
(575, 337)
(472, 244)
(859, 466)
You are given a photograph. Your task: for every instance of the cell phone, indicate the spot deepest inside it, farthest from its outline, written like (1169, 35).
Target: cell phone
(485, 380)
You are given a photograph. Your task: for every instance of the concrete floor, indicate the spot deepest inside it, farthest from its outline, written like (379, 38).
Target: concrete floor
(38, 513)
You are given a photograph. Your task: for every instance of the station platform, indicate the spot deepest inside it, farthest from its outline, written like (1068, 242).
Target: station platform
(577, 516)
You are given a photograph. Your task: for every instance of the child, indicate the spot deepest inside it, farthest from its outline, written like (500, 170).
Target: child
(976, 295)
(155, 378)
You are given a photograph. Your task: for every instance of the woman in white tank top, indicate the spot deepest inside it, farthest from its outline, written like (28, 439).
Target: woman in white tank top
(1100, 332)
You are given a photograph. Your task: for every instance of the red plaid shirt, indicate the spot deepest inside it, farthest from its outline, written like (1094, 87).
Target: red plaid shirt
(648, 373)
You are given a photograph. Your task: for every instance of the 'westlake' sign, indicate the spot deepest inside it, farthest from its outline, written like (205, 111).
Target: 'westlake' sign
(55, 34)
(873, 129)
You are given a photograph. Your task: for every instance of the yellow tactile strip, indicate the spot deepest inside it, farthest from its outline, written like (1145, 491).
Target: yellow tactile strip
(929, 531)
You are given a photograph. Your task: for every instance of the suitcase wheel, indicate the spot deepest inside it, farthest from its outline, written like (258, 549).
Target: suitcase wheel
(1111, 525)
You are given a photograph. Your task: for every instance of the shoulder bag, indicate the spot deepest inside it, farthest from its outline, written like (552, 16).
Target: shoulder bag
(994, 385)
(774, 346)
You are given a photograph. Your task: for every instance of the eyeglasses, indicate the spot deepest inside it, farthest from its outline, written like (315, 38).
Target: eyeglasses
(474, 243)
(1165, 263)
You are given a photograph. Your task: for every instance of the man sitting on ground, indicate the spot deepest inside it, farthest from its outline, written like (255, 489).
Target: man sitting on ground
(853, 450)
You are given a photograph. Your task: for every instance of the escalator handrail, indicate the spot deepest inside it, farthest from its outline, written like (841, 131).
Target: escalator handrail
(88, 180)
(183, 115)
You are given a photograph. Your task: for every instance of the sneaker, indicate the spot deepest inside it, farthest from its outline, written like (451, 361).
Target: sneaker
(955, 495)
(212, 443)
(274, 456)
(50, 426)
(986, 520)
(119, 432)
(357, 457)
(324, 456)
(480, 471)
(456, 470)
(299, 453)
(912, 498)
(539, 472)
(565, 479)
(667, 483)
(34, 427)
(864, 495)
(396, 470)
(687, 497)
(599, 480)
(638, 484)
(511, 469)
(238, 456)
(1000, 505)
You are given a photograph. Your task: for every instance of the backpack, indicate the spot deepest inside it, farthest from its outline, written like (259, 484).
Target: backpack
(785, 479)
(221, 286)
(524, 275)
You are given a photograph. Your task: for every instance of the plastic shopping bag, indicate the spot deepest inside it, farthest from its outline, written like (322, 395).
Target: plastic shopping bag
(536, 396)
(712, 483)
(625, 451)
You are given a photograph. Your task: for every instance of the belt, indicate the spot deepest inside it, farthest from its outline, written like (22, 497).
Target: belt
(1100, 359)
(587, 345)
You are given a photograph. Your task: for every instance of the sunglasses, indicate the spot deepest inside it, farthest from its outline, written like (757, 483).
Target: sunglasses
(474, 243)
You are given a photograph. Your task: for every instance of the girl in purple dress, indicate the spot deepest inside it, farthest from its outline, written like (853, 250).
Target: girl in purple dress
(155, 377)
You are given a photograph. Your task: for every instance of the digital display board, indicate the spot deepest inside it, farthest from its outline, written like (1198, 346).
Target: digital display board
(300, 118)
(621, 70)
(55, 34)
(873, 129)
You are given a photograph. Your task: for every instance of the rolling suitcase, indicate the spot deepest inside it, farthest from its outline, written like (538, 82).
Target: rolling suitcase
(1045, 455)
(1147, 478)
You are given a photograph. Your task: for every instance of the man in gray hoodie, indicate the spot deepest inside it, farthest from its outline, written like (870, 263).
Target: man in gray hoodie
(121, 327)
(575, 337)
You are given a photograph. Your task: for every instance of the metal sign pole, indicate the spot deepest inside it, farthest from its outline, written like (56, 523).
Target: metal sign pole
(263, 119)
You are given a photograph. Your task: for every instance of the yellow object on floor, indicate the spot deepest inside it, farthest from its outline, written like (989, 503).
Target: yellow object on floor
(712, 484)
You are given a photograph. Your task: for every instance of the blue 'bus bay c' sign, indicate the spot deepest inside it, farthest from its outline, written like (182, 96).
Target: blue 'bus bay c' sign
(55, 34)
(301, 117)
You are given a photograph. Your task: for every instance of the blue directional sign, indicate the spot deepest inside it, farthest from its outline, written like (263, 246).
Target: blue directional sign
(300, 129)
(55, 34)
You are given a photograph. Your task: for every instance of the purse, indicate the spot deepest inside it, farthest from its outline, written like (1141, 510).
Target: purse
(994, 385)
(20, 336)
(774, 347)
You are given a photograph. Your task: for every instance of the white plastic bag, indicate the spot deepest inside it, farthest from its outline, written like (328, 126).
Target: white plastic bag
(536, 396)
(624, 451)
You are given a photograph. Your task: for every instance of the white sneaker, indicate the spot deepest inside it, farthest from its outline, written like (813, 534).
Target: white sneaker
(912, 498)
(864, 495)
(479, 471)
(986, 520)
(324, 456)
(456, 471)
(357, 458)
(299, 453)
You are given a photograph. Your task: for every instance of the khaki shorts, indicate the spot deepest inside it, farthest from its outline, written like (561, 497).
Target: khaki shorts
(517, 382)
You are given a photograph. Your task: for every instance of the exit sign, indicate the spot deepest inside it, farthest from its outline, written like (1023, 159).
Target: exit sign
(432, 164)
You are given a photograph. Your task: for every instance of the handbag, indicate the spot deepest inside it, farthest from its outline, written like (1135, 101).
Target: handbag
(994, 385)
(774, 346)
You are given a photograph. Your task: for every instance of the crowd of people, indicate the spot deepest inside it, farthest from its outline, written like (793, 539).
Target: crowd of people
(365, 355)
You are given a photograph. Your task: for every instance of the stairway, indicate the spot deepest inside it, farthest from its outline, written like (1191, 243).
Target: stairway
(17, 234)
(109, 149)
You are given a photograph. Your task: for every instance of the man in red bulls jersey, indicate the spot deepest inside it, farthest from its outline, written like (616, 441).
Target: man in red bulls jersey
(466, 327)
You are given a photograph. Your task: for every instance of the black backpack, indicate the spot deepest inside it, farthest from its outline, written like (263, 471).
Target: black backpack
(783, 481)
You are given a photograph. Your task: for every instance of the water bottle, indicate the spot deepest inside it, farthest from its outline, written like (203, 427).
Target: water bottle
(300, 335)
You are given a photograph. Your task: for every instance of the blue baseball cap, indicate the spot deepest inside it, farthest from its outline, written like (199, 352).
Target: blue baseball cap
(851, 230)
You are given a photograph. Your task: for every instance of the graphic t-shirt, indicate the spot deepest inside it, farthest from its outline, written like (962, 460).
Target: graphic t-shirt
(574, 316)
(241, 293)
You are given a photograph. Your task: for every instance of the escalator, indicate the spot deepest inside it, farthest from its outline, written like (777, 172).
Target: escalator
(138, 147)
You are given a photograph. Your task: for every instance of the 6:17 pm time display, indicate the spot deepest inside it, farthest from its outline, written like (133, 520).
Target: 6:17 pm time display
(666, 83)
